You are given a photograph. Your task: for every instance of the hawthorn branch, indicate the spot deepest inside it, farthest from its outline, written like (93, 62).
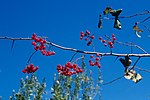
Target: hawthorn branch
(82, 51)
(102, 54)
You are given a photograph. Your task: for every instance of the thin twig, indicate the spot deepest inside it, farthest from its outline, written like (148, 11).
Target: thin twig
(31, 57)
(12, 45)
(73, 56)
(138, 14)
(128, 44)
(113, 80)
(131, 48)
(145, 19)
(93, 46)
(135, 63)
(141, 69)
(122, 75)
(82, 57)
(147, 28)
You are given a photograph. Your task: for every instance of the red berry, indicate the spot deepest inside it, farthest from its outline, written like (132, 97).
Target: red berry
(48, 53)
(36, 39)
(97, 58)
(43, 47)
(97, 54)
(68, 64)
(31, 65)
(81, 33)
(113, 35)
(80, 70)
(28, 67)
(36, 48)
(111, 46)
(91, 64)
(41, 42)
(99, 66)
(104, 41)
(74, 65)
(33, 37)
(53, 53)
(34, 34)
(69, 74)
(24, 70)
(34, 43)
(43, 52)
(40, 39)
(100, 38)
(88, 32)
(90, 61)
(89, 43)
(59, 70)
(110, 43)
(35, 69)
(81, 38)
(74, 72)
(40, 48)
(113, 38)
(86, 39)
(91, 56)
(44, 41)
(96, 63)
(92, 37)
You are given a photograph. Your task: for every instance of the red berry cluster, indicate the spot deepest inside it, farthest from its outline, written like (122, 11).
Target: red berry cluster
(30, 69)
(87, 37)
(110, 43)
(69, 69)
(39, 44)
(96, 61)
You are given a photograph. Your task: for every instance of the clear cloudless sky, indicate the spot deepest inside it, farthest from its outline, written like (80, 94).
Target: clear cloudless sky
(62, 21)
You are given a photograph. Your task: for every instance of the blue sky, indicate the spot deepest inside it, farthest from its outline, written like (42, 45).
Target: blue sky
(62, 21)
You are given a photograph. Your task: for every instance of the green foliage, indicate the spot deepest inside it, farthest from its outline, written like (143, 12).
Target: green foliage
(30, 89)
(80, 86)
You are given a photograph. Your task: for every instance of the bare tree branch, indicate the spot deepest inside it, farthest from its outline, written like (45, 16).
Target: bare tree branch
(128, 44)
(82, 51)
